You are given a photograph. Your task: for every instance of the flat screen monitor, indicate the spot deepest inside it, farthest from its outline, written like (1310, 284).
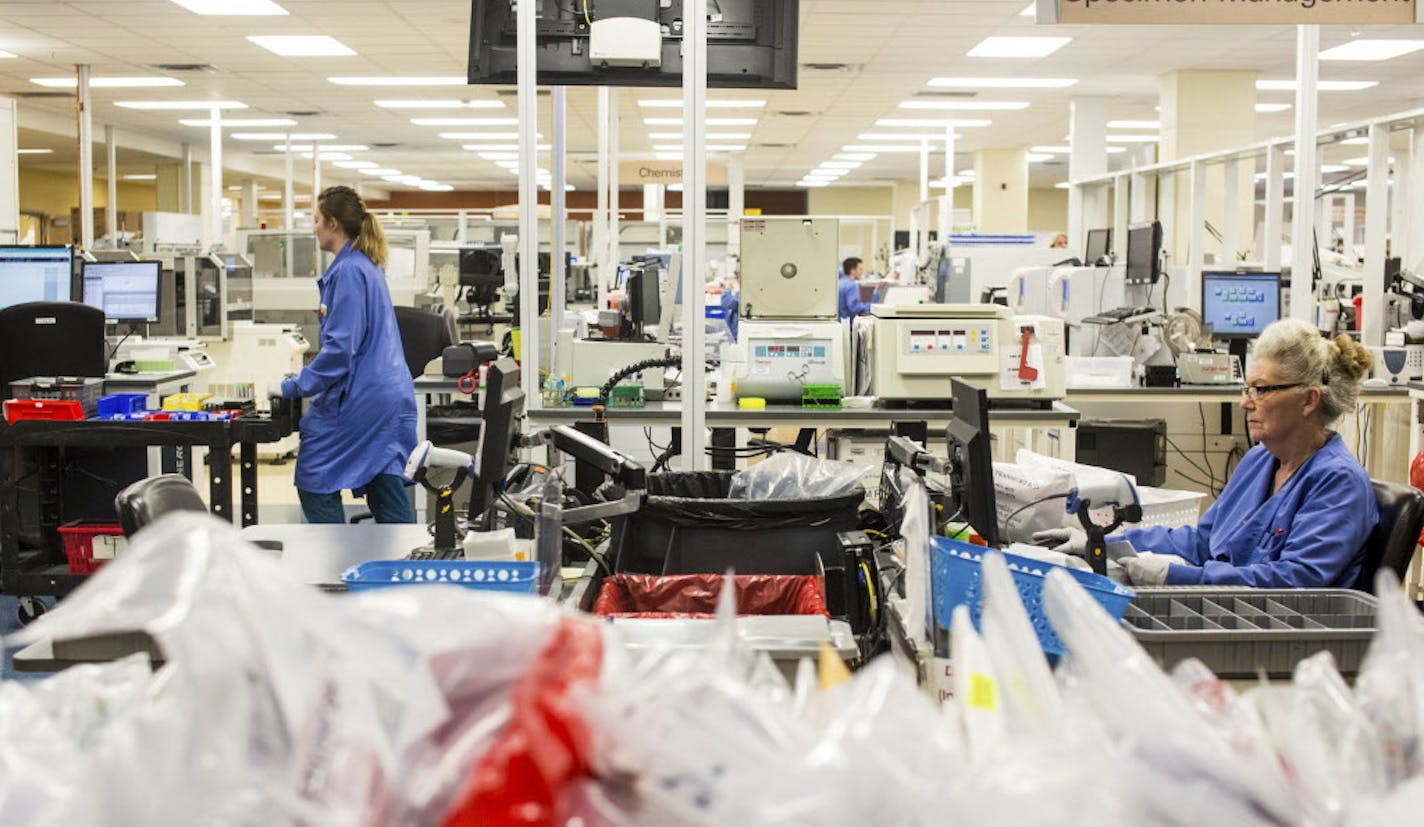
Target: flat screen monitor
(127, 291)
(500, 410)
(972, 478)
(481, 267)
(1240, 305)
(751, 46)
(1144, 253)
(1099, 245)
(36, 274)
(644, 299)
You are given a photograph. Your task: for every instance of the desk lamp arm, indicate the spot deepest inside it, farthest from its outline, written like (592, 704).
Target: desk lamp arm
(584, 448)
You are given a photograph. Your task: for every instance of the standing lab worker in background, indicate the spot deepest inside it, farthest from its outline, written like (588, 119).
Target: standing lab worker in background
(359, 429)
(1297, 510)
(848, 291)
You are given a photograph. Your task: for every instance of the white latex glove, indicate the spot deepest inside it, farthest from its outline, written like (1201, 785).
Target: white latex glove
(1072, 541)
(274, 390)
(1146, 569)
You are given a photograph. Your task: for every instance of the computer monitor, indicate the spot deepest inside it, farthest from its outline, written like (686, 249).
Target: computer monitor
(972, 477)
(1144, 253)
(36, 274)
(1099, 245)
(751, 44)
(126, 291)
(1240, 305)
(644, 299)
(500, 410)
(481, 267)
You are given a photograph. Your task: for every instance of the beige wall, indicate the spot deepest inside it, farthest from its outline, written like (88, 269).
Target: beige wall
(56, 193)
(852, 200)
(1048, 210)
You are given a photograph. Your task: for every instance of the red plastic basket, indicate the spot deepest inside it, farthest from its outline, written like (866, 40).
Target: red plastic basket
(78, 537)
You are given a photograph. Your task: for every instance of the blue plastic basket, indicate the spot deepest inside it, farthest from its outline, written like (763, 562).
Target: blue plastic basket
(956, 578)
(522, 577)
(120, 403)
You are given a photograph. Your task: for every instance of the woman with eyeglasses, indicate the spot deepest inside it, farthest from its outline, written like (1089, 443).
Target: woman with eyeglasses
(1297, 510)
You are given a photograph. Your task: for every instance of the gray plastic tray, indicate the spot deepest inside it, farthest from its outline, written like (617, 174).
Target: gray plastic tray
(1243, 633)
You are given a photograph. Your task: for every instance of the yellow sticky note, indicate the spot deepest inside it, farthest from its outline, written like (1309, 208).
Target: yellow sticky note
(832, 670)
(982, 692)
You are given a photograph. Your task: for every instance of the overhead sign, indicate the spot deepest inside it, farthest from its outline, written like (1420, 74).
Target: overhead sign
(1218, 12)
(665, 172)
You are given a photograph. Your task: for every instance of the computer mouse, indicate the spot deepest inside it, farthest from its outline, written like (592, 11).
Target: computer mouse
(1375, 382)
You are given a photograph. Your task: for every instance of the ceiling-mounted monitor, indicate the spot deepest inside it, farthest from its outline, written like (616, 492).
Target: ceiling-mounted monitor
(751, 44)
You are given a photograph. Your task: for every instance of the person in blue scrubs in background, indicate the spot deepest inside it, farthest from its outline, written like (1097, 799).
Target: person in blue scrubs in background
(1297, 510)
(359, 428)
(850, 305)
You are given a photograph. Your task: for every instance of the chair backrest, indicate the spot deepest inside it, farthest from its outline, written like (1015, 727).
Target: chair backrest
(50, 339)
(148, 499)
(1391, 544)
(424, 336)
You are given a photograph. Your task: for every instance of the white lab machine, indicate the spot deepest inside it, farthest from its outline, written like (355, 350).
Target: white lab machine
(898, 294)
(1411, 339)
(1075, 293)
(1391, 364)
(781, 358)
(184, 354)
(1028, 290)
(789, 268)
(914, 351)
(589, 363)
(259, 354)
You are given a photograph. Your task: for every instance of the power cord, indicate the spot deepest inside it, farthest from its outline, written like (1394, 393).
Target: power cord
(1021, 509)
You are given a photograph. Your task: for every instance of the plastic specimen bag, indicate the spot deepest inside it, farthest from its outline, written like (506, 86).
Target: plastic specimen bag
(791, 476)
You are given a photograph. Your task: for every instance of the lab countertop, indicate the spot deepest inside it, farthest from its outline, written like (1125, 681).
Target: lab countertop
(728, 415)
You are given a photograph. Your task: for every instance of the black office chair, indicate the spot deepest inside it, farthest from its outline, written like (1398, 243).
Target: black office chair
(148, 499)
(50, 339)
(1391, 544)
(424, 336)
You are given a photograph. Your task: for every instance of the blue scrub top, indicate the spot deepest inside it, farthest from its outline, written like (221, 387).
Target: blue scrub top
(361, 422)
(850, 304)
(1309, 534)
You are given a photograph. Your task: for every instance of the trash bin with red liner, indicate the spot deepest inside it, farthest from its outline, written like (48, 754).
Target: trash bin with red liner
(695, 595)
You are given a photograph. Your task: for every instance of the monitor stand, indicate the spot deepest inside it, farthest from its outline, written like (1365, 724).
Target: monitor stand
(1236, 346)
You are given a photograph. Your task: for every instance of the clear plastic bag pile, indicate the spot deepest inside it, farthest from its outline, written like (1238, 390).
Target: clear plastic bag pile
(281, 705)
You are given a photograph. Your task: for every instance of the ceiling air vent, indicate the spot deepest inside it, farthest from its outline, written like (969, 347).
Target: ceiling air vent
(384, 144)
(772, 146)
(303, 113)
(832, 67)
(42, 95)
(186, 67)
(514, 93)
(792, 113)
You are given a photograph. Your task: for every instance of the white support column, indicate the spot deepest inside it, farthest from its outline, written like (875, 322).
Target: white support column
(86, 160)
(1348, 207)
(249, 217)
(528, 205)
(9, 172)
(736, 205)
(614, 142)
(694, 233)
(1087, 158)
(1415, 226)
(311, 205)
(289, 201)
(1275, 208)
(946, 204)
(653, 203)
(1141, 206)
(1231, 184)
(1122, 199)
(1196, 223)
(1376, 228)
(1166, 210)
(559, 215)
(1401, 244)
(1307, 172)
(602, 266)
(215, 188)
(111, 167)
(186, 179)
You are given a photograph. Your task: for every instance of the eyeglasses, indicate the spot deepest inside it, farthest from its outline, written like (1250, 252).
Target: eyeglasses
(1255, 392)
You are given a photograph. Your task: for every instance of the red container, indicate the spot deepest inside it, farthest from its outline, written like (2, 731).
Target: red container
(78, 537)
(45, 410)
(695, 595)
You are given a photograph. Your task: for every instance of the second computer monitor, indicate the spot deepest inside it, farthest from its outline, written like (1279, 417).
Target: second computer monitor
(1144, 253)
(1240, 305)
(481, 267)
(1099, 245)
(35, 274)
(127, 291)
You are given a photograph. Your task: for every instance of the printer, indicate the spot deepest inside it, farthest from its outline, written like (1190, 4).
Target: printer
(915, 350)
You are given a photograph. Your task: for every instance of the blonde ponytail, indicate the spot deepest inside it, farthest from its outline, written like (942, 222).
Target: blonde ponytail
(344, 206)
(372, 241)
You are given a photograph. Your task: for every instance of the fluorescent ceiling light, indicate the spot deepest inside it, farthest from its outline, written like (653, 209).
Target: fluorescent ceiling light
(810, 184)
(241, 122)
(1323, 85)
(34, 151)
(667, 156)
(1115, 150)
(396, 81)
(108, 83)
(1358, 140)
(676, 103)
(880, 148)
(322, 148)
(942, 123)
(967, 106)
(1134, 124)
(401, 179)
(513, 166)
(302, 45)
(1003, 83)
(440, 104)
(434, 186)
(1051, 150)
(1037, 157)
(4, 55)
(500, 156)
(1132, 139)
(840, 164)
(707, 121)
(1336, 167)
(282, 136)
(1362, 161)
(465, 121)
(1062, 185)
(1272, 107)
(854, 156)
(711, 136)
(356, 165)
(328, 156)
(380, 172)
(502, 147)
(147, 176)
(232, 7)
(710, 147)
(484, 136)
(904, 136)
(1366, 49)
(1018, 47)
(181, 104)
(1031, 11)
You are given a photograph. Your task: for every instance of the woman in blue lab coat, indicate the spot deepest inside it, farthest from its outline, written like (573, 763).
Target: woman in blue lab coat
(1297, 510)
(359, 428)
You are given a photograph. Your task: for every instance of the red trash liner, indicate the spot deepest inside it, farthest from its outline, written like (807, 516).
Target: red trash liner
(546, 746)
(695, 595)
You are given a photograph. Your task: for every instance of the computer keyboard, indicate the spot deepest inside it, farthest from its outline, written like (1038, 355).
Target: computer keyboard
(435, 554)
(1118, 314)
